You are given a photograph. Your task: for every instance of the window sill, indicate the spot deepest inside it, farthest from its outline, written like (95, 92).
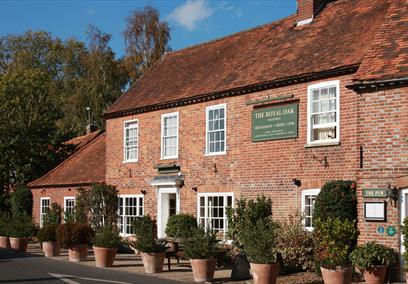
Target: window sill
(129, 161)
(169, 158)
(322, 144)
(215, 154)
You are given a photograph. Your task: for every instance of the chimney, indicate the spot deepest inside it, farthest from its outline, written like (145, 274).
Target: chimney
(91, 128)
(307, 10)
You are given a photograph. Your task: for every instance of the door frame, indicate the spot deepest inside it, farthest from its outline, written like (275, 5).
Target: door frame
(160, 190)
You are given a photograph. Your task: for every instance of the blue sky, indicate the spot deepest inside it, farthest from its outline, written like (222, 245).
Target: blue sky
(191, 21)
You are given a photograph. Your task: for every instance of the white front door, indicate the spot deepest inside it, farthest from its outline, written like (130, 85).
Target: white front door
(168, 203)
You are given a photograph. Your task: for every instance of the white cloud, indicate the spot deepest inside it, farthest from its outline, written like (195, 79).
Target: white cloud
(190, 13)
(228, 7)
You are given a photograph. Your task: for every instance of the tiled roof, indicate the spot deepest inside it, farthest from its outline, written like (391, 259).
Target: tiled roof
(339, 36)
(81, 141)
(388, 57)
(86, 166)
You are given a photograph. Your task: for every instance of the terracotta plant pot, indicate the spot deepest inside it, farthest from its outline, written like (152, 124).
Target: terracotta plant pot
(4, 242)
(340, 275)
(50, 249)
(153, 262)
(264, 273)
(375, 275)
(203, 269)
(104, 257)
(406, 276)
(78, 253)
(19, 244)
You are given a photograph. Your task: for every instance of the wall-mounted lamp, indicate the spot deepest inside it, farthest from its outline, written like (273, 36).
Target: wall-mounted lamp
(393, 194)
(296, 182)
(215, 168)
(43, 191)
(194, 189)
(143, 191)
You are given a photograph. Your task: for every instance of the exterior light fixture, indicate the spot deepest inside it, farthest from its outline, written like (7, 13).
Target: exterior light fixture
(296, 182)
(194, 188)
(393, 194)
(143, 192)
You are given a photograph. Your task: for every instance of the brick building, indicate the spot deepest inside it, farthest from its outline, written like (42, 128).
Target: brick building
(276, 110)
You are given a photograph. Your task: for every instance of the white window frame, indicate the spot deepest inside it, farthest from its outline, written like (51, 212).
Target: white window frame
(65, 202)
(130, 196)
(310, 88)
(305, 193)
(125, 160)
(42, 215)
(207, 148)
(214, 194)
(176, 114)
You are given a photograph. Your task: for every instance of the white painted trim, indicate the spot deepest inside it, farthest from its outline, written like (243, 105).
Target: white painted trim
(124, 141)
(160, 191)
(49, 204)
(130, 196)
(304, 22)
(207, 109)
(305, 192)
(163, 116)
(326, 84)
(66, 198)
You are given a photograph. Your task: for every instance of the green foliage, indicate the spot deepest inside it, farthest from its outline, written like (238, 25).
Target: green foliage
(404, 233)
(54, 214)
(337, 199)
(82, 208)
(181, 225)
(144, 229)
(48, 233)
(296, 245)
(253, 230)
(200, 244)
(74, 234)
(371, 254)
(107, 237)
(22, 200)
(5, 224)
(334, 239)
(22, 226)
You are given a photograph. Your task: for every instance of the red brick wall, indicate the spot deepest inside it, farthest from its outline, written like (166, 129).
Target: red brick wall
(249, 168)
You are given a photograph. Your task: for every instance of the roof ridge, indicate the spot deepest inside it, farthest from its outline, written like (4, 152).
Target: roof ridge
(67, 160)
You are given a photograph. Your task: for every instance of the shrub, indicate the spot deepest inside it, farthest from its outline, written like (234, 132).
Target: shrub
(54, 215)
(108, 237)
(22, 226)
(22, 201)
(48, 233)
(296, 245)
(74, 234)
(5, 224)
(371, 254)
(335, 240)
(337, 199)
(144, 229)
(201, 244)
(181, 225)
(404, 233)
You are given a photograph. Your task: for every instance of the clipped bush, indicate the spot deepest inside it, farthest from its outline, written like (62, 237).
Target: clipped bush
(74, 234)
(200, 244)
(371, 254)
(54, 214)
(404, 233)
(108, 237)
(22, 201)
(296, 245)
(48, 233)
(337, 199)
(181, 225)
(335, 240)
(22, 226)
(5, 224)
(144, 229)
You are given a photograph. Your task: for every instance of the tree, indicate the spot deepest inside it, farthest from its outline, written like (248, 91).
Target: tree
(146, 40)
(22, 201)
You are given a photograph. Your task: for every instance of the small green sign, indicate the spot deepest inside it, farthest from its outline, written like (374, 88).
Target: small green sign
(380, 230)
(375, 192)
(391, 231)
(275, 123)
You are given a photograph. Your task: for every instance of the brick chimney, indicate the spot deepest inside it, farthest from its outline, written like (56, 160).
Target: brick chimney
(91, 128)
(308, 9)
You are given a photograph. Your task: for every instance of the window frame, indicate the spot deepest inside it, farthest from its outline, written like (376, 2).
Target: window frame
(125, 160)
(162, 150)
(207, 148)
(119, 216)
(65, 202)
(310, 88)
(305, 193)
(42, 215)
(214, 194)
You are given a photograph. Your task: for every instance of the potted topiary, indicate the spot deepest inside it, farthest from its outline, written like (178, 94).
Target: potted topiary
(105, 246)
(373, 259)
(152, 250)
(47, 235)
(4, 231)
(76, 238)
(335, 239)
(21, 228)
(201, 248)
(179, 226)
